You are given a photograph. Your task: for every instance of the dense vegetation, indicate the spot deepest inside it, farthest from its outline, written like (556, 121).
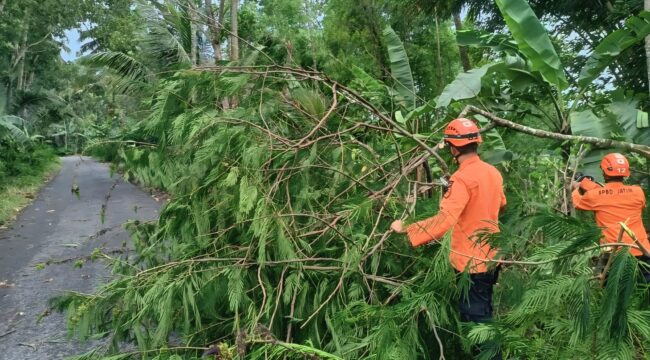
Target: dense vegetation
(290, 133)
(40, 97)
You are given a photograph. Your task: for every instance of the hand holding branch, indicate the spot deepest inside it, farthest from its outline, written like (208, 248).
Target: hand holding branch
(398, 226)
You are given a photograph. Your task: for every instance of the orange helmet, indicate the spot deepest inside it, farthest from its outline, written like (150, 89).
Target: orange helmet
(461, 132)
(615, 164)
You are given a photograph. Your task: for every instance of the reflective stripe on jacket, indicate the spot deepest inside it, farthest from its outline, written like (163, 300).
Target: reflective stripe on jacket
(470, 206)
(614, 203)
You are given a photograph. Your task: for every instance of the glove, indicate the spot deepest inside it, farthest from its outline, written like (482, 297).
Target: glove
(580, 176)
(586, 182)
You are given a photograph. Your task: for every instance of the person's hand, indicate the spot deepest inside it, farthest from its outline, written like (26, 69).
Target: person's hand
(398, 226)
(575, 185)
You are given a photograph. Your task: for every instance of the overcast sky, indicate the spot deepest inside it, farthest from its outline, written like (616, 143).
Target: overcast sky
(72, 43)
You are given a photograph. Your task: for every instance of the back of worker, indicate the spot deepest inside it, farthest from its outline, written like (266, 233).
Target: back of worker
(484, 186)
(612, 204)
(469, 208)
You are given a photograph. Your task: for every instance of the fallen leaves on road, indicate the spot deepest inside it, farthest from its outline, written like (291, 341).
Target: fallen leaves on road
(5, 284)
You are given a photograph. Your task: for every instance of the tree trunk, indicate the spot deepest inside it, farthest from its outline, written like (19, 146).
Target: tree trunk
(9, 97)
(372, 22)
(234, 48)
(440, 81)
(215, 27)
(234, 36)
(193, 37)
(2, 5)
(29, 79)
(646, 6)
(464, 57)
(222, 14)
(65, 138)
(380, 53)
(20, 57)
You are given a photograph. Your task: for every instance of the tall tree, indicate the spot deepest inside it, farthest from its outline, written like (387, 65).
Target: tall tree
(234, 46)
(446, 9)
(114, 25)
(29, 49)
(234, 31)
(194, 53)
(646, 7)
(464, 56)
(215, 25)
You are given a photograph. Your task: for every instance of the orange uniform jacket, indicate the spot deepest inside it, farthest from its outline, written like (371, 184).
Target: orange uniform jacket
(471, 206)
(614, 203)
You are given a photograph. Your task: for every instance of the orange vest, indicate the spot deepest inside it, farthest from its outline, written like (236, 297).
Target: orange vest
(614, 203)
(471, 206)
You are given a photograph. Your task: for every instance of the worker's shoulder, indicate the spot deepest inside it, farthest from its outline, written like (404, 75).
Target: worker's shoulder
(633, 186)
(634, 189)
(477, 172)
(478, 169)
(624, 190)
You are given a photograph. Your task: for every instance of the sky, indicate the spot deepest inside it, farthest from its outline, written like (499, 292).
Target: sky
(72, 42)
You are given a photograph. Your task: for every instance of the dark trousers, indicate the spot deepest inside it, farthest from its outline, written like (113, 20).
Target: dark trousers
(477, 305)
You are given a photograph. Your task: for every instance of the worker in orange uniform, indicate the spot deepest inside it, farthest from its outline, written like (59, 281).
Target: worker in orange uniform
(470, 208)
(614, 203)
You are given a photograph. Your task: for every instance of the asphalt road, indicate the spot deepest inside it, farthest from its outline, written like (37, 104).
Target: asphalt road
(60, 228)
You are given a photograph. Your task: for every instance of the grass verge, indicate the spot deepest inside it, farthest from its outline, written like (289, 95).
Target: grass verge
(20, 190)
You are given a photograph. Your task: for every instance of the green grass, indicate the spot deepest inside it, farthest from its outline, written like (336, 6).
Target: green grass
(18, 191)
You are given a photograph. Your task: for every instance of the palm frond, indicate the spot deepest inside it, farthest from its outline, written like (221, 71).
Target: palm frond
(11, 127)
(133, 75)
(165, 37)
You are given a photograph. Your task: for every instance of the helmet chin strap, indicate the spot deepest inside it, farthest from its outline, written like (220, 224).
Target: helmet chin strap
(456, 155)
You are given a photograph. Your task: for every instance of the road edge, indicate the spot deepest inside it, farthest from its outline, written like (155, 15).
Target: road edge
(22, 195)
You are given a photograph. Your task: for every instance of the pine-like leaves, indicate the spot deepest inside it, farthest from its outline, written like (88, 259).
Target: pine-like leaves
(275, 242)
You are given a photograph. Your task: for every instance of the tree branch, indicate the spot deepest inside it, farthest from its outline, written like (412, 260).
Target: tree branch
(596, 142)
(340, 89)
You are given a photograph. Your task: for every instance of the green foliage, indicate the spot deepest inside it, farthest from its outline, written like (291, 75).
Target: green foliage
(532, 40)
(466, 86)
(10, 129)
(275, 242)
(586, 123)
(618, 119)
(400, 69)
(636, 29)
(169, 40)
(23, 169)
(245, 250)
(497, 42)
(133, 75)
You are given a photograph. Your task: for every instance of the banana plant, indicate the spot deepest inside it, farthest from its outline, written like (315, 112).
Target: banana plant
(533, 41)
(13, 128)
(635, 30)
(531, 62)
(528, 56)
(400, 70)
(164, 36)
(621, 119)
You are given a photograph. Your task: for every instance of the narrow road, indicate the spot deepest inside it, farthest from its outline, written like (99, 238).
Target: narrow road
(60, 228)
